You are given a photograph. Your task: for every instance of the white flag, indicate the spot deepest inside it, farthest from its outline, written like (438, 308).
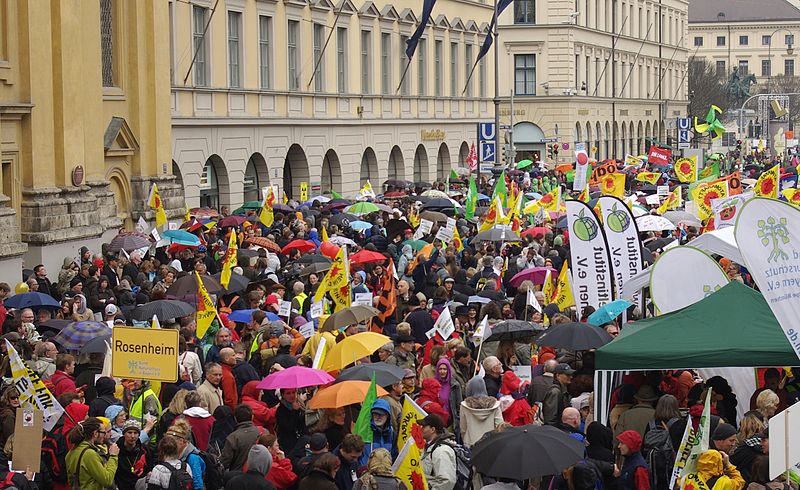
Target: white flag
(444, 324)
(481, 331)
(532, 301)
(32, 391)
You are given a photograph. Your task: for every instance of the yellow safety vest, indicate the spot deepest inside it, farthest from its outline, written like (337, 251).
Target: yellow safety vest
(137, 412)
(301, 299)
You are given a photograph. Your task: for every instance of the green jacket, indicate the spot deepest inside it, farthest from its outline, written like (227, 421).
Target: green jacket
(94, 475)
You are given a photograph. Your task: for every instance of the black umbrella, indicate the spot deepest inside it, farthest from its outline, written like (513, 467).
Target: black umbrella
(422, 185)
(97, 344)
(315, 268)
(514, 330)
(128, 242)
(238, 282)
(396, 227)
(507, 454)
(163, 309)
(437, 204)
(187, 286)
(501, 234)
(342, 219)
(314, 259)
(574, 336)
(658, 244)
(396, 183)
(54, 324)
(385, 374)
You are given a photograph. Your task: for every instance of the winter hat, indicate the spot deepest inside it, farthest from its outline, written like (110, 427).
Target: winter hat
(510, 384)
(558, 241)
(113, 411)
(723, 432)
(632, 439)
(259, 459)
(131, 424)
(476, 387)
(318, 441)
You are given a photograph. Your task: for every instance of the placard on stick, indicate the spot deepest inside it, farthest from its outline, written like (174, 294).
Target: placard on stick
(27, 440)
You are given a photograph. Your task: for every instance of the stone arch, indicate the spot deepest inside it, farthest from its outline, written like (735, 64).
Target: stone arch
(214, 184)
(608, 142)
(331, 172)
(256, 176)
(420, 164)
(646, 131)
(577, 136)
(396, 164)
(369, 167)
(443, 164)
(120, 186)
(463, 154)
(295, 170)
(589, 141)
(639, 139)
(176, 171)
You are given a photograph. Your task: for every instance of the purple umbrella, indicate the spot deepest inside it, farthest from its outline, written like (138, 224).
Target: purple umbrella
(77, 334)
(534, 274)
(295, 377)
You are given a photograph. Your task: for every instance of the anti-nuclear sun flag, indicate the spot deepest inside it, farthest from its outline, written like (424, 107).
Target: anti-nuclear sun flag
(337, 281)
(32, 391)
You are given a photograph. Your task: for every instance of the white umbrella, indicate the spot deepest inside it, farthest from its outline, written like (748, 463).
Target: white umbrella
(679, 217)
(650, 222)
(341, 241)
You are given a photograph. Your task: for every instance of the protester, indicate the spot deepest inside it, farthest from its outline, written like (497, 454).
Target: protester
(635, 473)
(715, 471)
(379, 473)
(237, 444)
(259, 463)
(85, 465)
(281, 473)
(322, 475)
(169, 469)
(438, 458)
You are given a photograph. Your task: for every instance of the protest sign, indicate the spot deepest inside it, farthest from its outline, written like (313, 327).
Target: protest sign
(622, 237)
(285, 309)
(424, 228)
(32, 391)
(601, 171)
(144, 354)
(784, 446)
(306, 329)
(589, 257)
(364, 299)
(27, 440)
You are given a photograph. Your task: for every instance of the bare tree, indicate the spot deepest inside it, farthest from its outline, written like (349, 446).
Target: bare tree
(706, 88)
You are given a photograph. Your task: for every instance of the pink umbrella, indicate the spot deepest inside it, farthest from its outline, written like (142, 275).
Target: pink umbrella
(295, 377)
(534, 274)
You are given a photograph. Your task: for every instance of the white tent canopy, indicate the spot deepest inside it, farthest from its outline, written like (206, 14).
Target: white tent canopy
(720, 242)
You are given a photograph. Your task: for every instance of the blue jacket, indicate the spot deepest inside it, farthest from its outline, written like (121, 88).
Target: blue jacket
(381, 436)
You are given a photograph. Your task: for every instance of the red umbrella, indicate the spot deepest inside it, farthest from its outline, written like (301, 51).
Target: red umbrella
(365, 256)
(233, 220)
(302, 245)
(534, 274)
(537, 230)
(394, 194)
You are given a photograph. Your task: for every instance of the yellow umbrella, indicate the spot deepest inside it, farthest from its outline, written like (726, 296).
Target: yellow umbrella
(342, 394)
(352, 349)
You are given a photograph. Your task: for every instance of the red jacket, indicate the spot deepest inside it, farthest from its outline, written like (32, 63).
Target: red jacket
(428, 399)
(263, 416)
(63, 383)
(201, 422)
(281, 474)
(230, 395)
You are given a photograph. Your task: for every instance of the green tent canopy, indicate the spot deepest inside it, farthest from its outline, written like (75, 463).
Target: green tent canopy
(733, 327)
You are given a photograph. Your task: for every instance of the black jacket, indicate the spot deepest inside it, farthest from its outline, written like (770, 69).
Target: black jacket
(247, 480)
(318, 480)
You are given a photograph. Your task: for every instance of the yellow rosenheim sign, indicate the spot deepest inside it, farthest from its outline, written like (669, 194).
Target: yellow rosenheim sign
(144, 353)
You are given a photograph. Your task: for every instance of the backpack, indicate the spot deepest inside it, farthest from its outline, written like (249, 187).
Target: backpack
(212, 478)
(54, 455)
(8, 482)
(179, 478)
(659, 454)
(463, 463)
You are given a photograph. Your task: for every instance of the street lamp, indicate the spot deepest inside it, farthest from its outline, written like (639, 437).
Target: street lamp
(789, 51)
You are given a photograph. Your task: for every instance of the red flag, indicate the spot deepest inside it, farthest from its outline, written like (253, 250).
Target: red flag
(472, 159)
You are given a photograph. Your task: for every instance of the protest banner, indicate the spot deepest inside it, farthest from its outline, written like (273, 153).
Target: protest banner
(408, 418)
(32, 391)
(589, 257)
(668, 287)
(658, 156)
(726, 209)
(601, 171)
(622, 237)
(152, 355)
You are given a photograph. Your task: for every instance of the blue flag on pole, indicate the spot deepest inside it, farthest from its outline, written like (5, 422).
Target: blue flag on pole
(487, 43)
(411, 44)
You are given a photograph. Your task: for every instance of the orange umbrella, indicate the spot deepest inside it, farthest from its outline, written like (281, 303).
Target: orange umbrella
(564, 167)
(342, 394)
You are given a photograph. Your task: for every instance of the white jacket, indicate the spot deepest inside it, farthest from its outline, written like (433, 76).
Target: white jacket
(479, 415)
(439, 466)
(160, 475)
(190, 362)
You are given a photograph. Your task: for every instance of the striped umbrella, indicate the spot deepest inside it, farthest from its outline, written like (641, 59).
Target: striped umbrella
(77, 334)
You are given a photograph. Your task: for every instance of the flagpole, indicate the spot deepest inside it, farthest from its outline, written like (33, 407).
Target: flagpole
(403, 77)
(324, 47)
(496, 88)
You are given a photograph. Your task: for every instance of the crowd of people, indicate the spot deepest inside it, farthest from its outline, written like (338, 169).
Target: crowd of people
(215, 428)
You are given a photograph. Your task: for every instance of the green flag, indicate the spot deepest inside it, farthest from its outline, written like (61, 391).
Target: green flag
(453, 175)
(472, 198)
(335, 195)
(500, 189)
(363, 425)
(709, 171)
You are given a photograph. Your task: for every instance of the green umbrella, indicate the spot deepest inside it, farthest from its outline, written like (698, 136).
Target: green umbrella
(361, 208)
(523, 164)
(416, 245)
(715, 156)
(248, 206)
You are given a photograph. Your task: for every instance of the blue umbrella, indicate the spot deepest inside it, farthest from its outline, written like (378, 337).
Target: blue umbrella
(483, 197)
(609, 312)
(244, 316)
(32, 300)
(360, 225)
(181, 237)
(77, 334)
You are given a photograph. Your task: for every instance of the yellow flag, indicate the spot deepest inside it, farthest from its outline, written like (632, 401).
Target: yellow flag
(336, 281)
(230, 261)
(457, 242)
(649, 177)
(562, 296)
(409, 464)
(792, 196)
(767, 185)
(686, 169)
(514, 218)
(324, 235)
(186, 215)
(285, 198)
(156, 203)
(408, 419)
(413, 217)
(673, 201)
(494, 215)
(584, 195)
(550, 202)
(547, 288)
(206, 312)
(613, 185)
(266, 216)
(703, 196)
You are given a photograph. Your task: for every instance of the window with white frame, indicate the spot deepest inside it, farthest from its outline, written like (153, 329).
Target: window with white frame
(264, 55)
(366, 61)
(525, 74)
(468, 68)
(386, 63)
(200, 41)
(341, 59)
(438, 52)
(319, 73)
(292, 38)
(403, 64)
(454, 69)
(422, 71)
(234, 49)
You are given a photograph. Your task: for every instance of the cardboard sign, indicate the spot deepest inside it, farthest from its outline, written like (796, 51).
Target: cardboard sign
(316, 309)
(658, 156)
(430, 333)
(27, 440)
(141, 225)
(156, 234)
(524, 373)
(784, 449)
(662, 191)
(306, 330)
(285, 309)
(172, 225)
(424, 228)
(363, 299)
(447, 232)
(601, 171)
(138, 353)
(581, 167)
